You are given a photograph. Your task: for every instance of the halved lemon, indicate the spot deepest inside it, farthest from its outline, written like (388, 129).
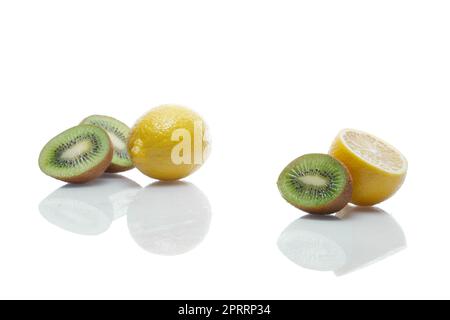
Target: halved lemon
(377, 168)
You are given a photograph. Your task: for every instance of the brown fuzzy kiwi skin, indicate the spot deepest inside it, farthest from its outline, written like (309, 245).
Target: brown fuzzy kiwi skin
(93, 173)
(114, 168)
(337, 204)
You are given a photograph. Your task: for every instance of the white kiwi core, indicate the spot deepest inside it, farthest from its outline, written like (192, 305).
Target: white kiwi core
(316, 181)
(77, 150)
(117, 143)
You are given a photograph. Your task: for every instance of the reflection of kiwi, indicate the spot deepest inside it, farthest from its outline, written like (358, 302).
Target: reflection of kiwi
(77, 155)
(118, 132)
(89, 209)
(316, 183)
(309, 242)
(75, 215)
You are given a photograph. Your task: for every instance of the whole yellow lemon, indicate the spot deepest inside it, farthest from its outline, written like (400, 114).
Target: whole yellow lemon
(169, 142)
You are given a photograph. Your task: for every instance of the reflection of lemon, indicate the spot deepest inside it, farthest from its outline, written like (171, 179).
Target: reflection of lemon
(378, 169)
(168, 142)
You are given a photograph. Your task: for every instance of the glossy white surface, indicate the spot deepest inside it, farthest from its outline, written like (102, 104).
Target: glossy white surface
(274, 80)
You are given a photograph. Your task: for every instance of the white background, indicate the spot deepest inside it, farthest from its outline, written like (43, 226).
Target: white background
(274, 80)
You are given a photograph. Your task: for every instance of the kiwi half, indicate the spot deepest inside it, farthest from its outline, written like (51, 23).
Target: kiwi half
(77, 155)
(118, 132)
(316, 183)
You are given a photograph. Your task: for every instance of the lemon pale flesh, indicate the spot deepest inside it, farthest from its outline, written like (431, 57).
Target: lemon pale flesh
(378, 169)
(169, 142)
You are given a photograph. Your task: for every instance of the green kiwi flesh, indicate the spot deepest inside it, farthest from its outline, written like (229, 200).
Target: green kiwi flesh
(118, 132)
(77, 155)
(316, 183)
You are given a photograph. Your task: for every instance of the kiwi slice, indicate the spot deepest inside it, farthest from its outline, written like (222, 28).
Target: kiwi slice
(77, 155)
(118, 132)
(316, 183)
